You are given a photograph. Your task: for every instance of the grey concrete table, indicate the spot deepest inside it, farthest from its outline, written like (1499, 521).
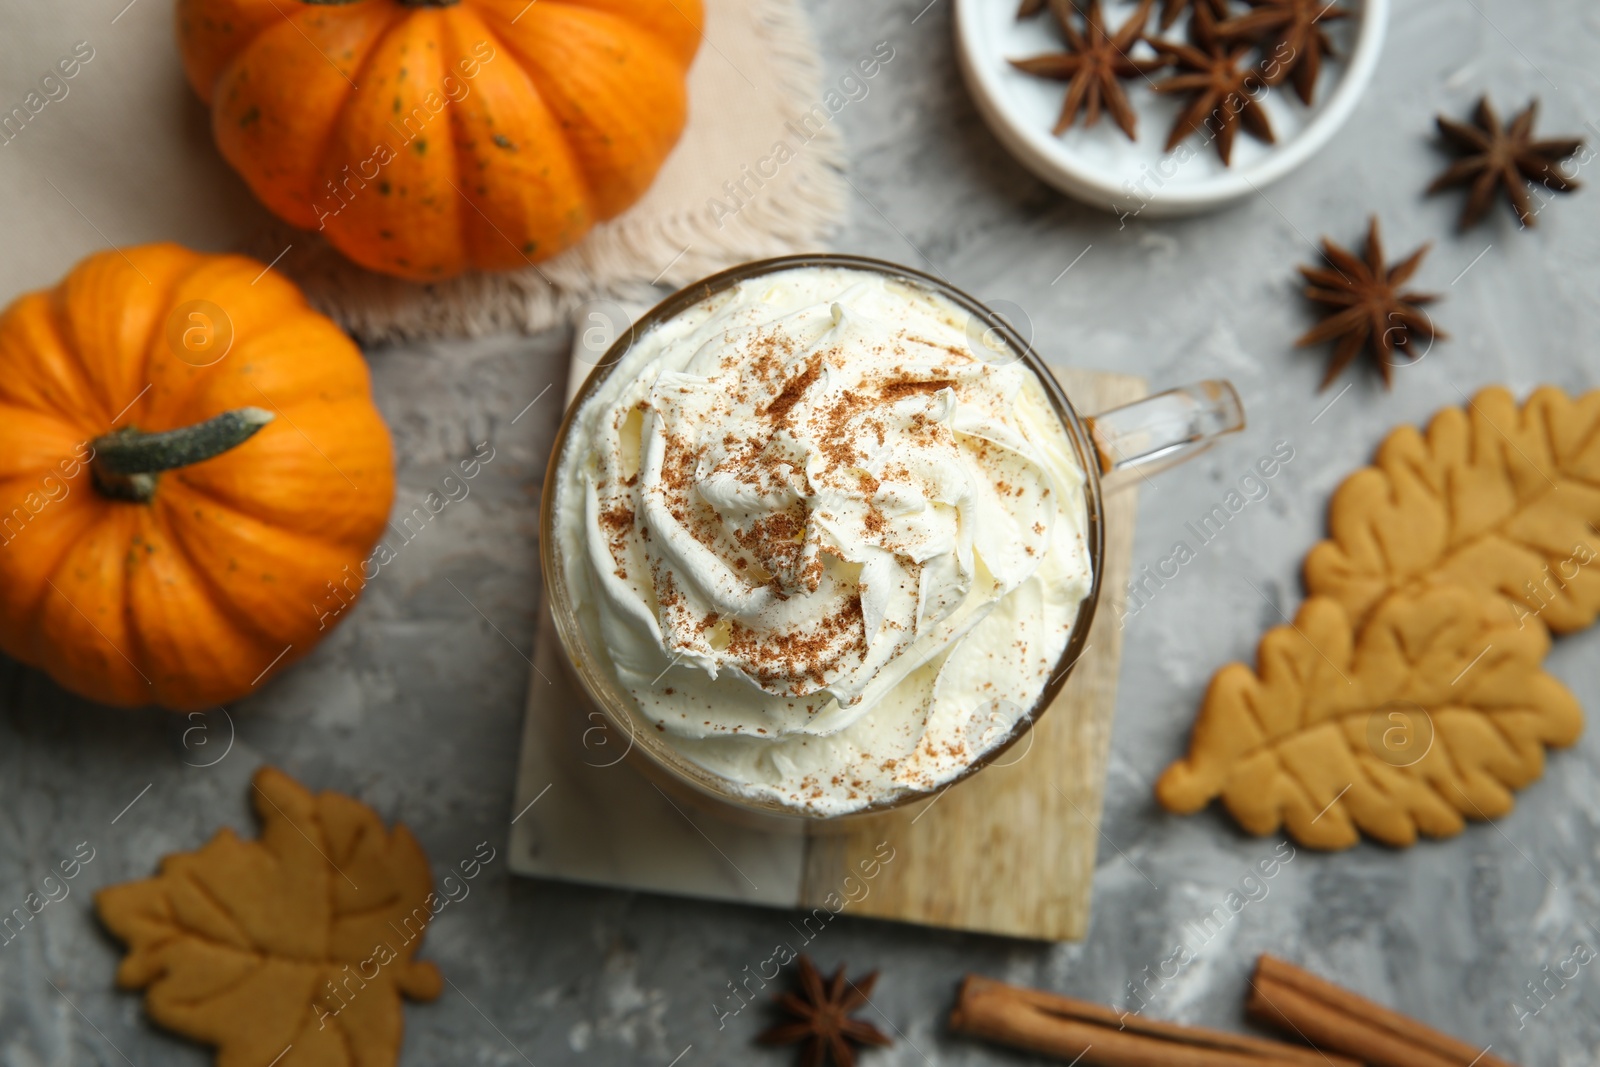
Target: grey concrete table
(414, 704)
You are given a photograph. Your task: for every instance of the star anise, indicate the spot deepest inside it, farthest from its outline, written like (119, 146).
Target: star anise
(1506, 158)
(1171, 9)
(1372, 308)
(1291, 37)
(822, 1019)
(1093, 65)
(1222, 88)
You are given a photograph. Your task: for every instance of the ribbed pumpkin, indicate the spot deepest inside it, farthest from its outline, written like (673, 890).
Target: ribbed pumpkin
(189, 455)
(426, 137)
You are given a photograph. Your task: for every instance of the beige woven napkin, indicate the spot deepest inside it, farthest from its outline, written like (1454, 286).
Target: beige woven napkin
(723, 197)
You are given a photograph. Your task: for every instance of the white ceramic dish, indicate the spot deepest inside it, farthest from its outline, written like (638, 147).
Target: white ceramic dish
(1099, 165)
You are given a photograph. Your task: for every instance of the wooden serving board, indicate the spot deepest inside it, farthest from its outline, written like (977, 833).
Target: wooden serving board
(1010, 851)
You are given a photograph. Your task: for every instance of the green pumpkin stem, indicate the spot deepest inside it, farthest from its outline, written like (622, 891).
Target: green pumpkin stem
(128, 462)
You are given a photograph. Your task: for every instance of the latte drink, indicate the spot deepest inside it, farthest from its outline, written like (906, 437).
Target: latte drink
(830, 544)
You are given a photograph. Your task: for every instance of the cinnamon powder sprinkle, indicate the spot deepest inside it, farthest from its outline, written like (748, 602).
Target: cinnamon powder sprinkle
(785, 401)
(803, 657)
(905, 387)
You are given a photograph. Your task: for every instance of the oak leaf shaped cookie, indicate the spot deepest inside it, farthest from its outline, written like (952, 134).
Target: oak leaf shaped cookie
(1432, 711)
(1494, 497)
(297, 944)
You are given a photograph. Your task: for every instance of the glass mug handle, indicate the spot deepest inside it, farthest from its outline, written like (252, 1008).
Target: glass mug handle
(1162, 431)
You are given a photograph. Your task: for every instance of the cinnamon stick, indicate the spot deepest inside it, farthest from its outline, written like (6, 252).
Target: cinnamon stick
(1331, 1017)
(1095, 1036)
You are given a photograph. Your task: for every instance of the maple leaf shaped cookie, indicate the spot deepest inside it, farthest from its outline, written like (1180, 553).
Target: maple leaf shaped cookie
(1494, 497)
(1431, 713)
(298, 944)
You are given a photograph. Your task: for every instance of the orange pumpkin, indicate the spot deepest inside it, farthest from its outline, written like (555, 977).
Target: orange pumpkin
(425, 137)
(189, 455)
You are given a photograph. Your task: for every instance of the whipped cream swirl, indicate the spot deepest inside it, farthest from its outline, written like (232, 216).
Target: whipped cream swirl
(831, 552)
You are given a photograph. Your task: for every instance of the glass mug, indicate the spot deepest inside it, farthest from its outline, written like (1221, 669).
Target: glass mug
(1130, 441)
